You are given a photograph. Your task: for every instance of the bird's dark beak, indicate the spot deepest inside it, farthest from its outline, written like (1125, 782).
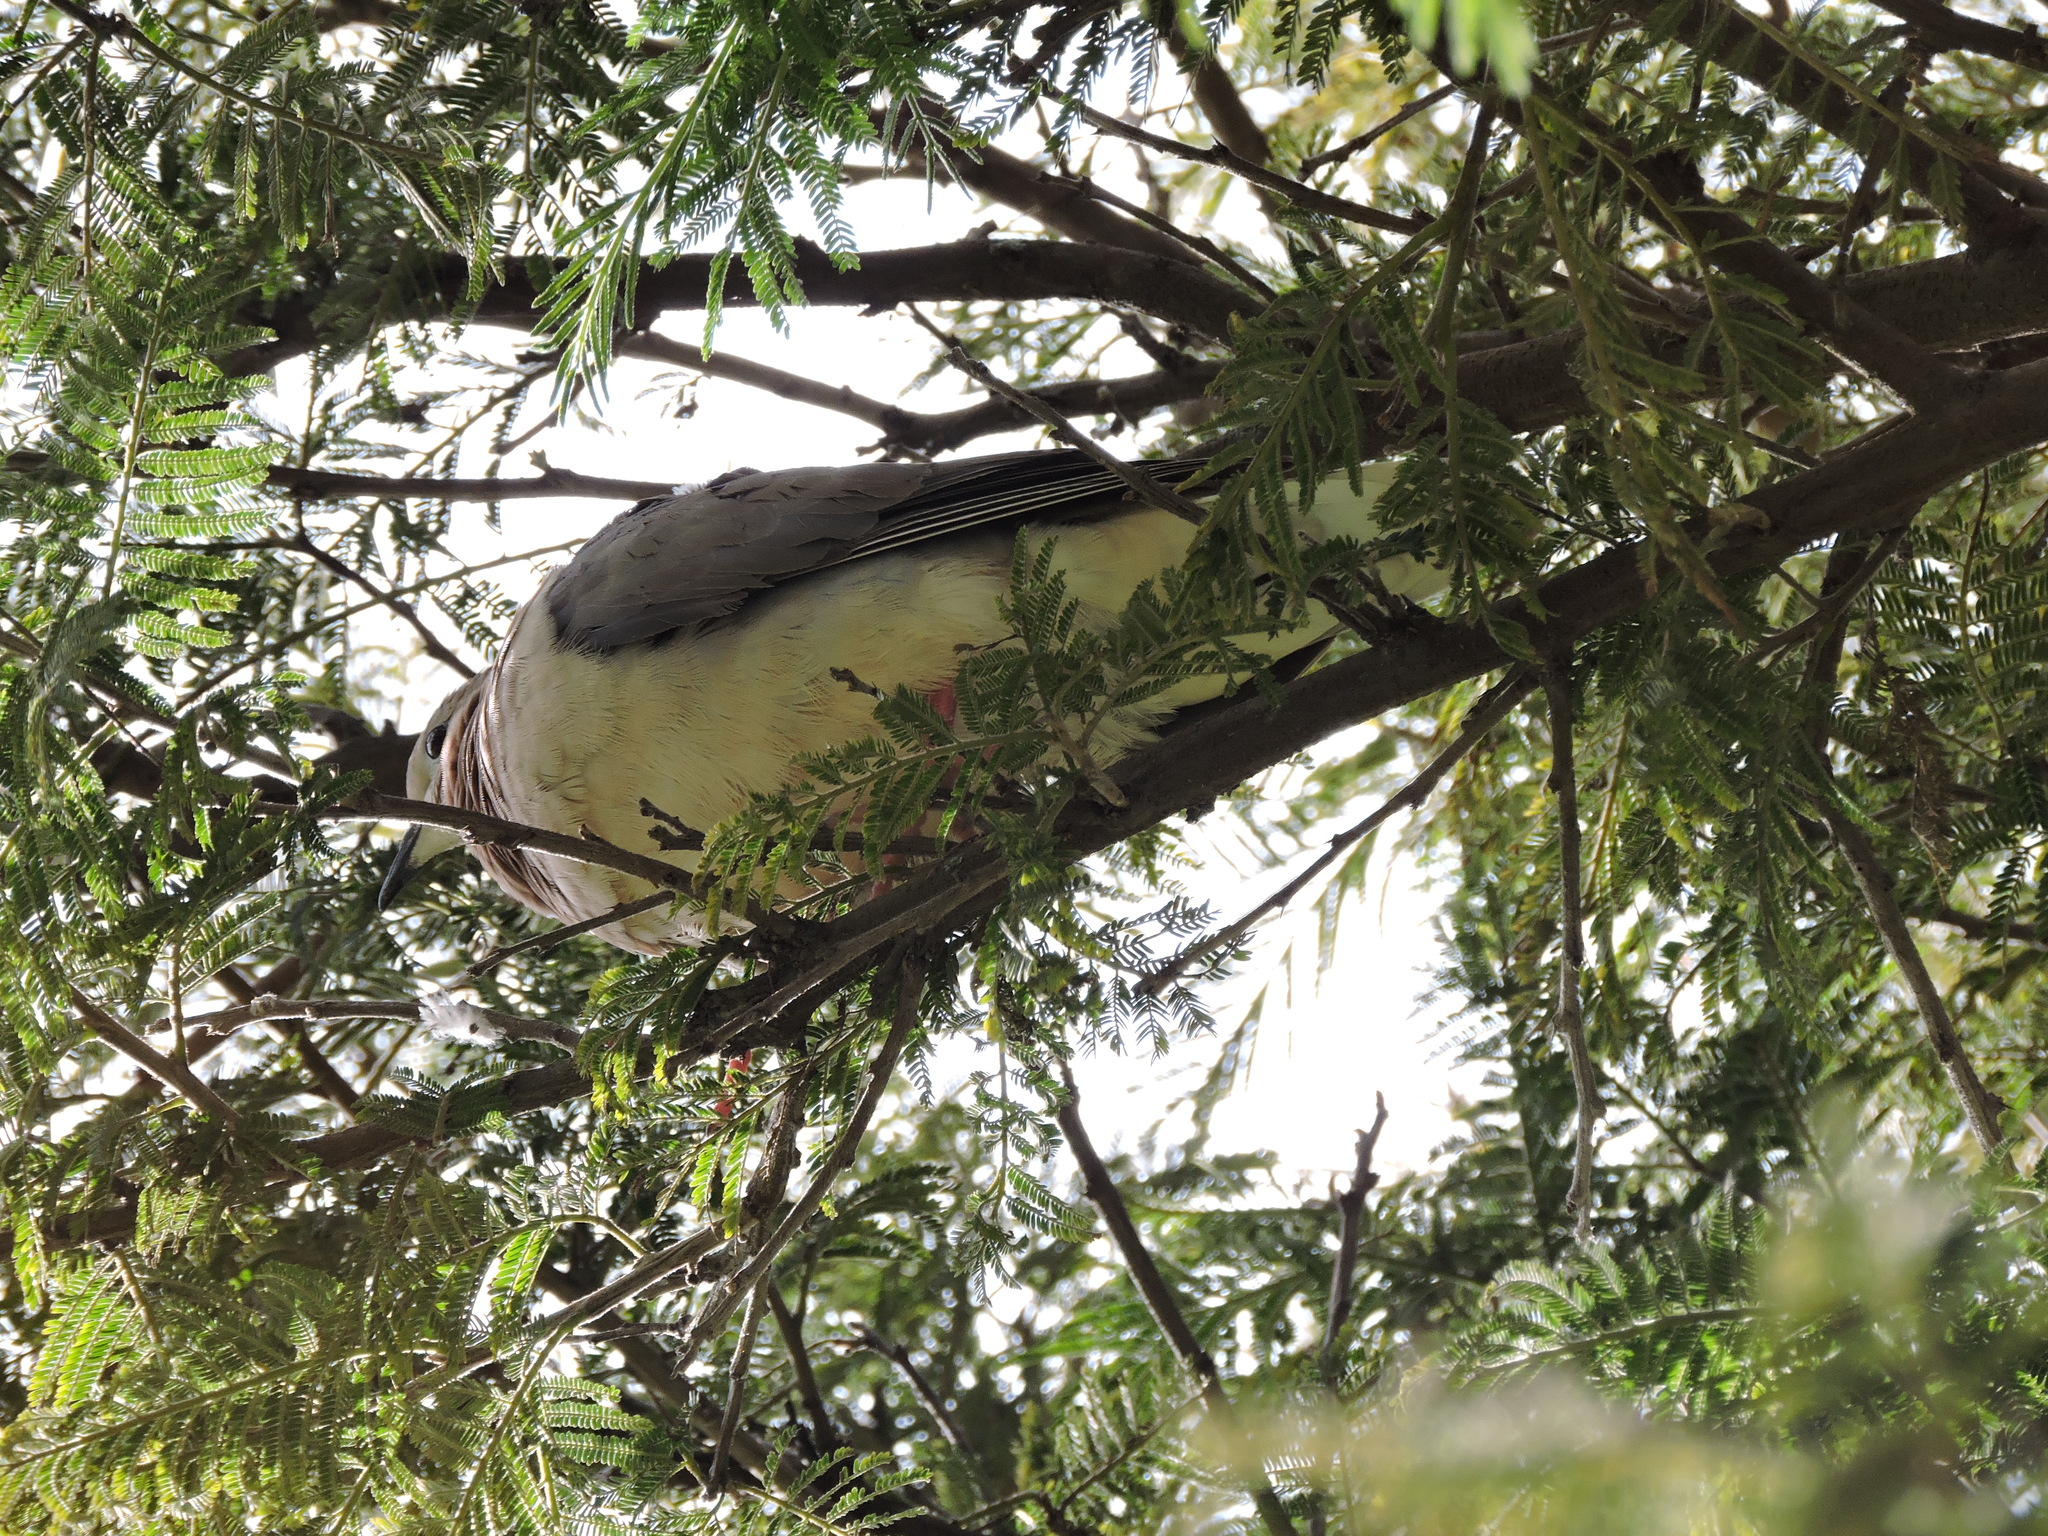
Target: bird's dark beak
(400, 870)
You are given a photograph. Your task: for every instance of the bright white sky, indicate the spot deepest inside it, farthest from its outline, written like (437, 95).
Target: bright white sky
(1325, 1044)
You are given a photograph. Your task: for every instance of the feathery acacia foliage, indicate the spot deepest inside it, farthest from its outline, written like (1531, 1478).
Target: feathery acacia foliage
(1703, 341)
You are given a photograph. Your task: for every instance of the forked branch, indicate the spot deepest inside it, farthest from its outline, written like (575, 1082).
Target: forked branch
(146, 1056)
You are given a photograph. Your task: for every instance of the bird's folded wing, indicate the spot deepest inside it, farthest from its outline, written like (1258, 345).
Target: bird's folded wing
(685, 563)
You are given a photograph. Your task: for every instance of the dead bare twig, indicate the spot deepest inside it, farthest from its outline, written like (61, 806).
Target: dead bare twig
(1351, 1221)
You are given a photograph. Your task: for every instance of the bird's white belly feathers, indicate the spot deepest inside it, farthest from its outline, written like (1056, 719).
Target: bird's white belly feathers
(692, 726)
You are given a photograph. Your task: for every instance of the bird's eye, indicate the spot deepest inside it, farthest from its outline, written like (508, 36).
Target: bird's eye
(437, 738)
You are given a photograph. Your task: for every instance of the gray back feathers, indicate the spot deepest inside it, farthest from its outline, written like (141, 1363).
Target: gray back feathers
(684, 564)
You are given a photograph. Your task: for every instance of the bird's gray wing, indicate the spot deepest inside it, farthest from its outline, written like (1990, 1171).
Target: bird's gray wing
(686, 563)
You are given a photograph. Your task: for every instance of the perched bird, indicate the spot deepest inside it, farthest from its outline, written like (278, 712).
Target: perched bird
(701, 641)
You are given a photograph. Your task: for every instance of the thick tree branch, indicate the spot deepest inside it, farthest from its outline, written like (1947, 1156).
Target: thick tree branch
(1949, 30)
(1951, 304)
(965, 271)
(1871, 342)
(1158, 1296)
(823, 1430)
(1982, 929)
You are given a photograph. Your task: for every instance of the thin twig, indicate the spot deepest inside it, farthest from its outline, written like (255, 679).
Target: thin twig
(1571, 1017)
(1378, 131)
(899, 1356)
(776, 381)
(288, 1027)
(1144, 486)
(405, 611)
(1484, 716)
(792, 1330)
(545, 941)
(1983, 1108)
(496, 832)
(937, 431)
(1159, 1298)
(128, 32)
(333, 616)
(318, 484)
(1351, 1221)
(213, 1028)
(1835, 602)
(736, 1389)
(1220, 155)
(151, 1060)
(1140, 484)
(1437, 331)
(1201, 246)
(1634, 1330)
(1686, 1155)
(1678, 200)
(719, 1306)
(119, 707)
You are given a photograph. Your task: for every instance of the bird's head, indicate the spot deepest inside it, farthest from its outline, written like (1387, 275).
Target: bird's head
(426, 779)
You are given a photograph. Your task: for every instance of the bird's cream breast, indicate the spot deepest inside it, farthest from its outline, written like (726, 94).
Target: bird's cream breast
(692, 725)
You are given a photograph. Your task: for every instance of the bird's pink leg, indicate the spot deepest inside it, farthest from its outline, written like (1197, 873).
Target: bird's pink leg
(945, 703)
